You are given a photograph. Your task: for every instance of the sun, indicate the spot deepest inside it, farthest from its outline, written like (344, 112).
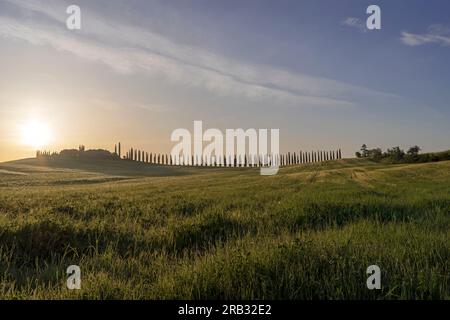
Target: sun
(36, 134)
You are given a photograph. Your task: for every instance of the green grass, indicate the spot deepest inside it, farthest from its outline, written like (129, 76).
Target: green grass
(147, 232)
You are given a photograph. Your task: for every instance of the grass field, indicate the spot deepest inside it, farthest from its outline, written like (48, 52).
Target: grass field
(144, 232)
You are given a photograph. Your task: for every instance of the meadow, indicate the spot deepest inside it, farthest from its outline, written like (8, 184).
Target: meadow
(139, 231)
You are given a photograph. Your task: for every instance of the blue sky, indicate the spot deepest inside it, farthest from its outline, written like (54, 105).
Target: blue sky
(139, 69)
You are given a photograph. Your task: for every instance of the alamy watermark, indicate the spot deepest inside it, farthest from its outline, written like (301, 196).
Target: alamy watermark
(373, 22)
(73, 22)
(374, 280)
(74, 279)
(229, 150)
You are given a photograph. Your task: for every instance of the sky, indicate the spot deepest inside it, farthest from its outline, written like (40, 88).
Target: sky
(138, 70)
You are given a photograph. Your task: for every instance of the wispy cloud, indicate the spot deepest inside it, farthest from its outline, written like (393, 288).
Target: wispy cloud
(355, 23)
(128, 49)
(436, 34)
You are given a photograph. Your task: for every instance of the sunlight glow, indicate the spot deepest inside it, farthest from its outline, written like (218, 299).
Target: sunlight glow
(36, 134)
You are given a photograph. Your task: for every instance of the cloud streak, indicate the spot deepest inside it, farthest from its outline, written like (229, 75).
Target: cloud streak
(356, 23)
(436, 34)
(128, 49)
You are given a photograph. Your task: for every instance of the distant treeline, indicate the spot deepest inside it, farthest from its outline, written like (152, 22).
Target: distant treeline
(246, 160)
(81, 152)
(290, 158)
(398, 155)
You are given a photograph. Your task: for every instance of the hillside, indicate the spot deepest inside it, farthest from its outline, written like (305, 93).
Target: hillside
(309, 232)
(101, 166)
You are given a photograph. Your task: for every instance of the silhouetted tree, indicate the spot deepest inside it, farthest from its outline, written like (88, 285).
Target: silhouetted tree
(396, 154)
(413, 151)
(364, 151)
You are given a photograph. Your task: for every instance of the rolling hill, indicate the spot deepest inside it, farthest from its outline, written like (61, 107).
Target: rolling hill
(145, 232)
